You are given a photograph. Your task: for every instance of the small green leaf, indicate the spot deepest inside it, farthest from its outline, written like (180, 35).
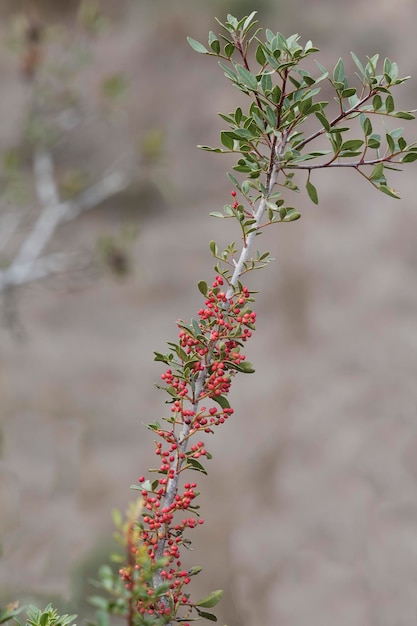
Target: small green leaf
(410, 157)
(213, 248)
(404, 115)
(323, 120)
(195, 465)
(358, 63)
(276, 94)
(246, 367)
(348, 93)
(266, 83)
(387, 66)
(374, 142)
(389, 191)
(389, 104)
(248, 22)
(352, 144)
(226, 139)
(312, 192)
(209, 616)
(229, 49)
(44, 619)
(197, 46)
(211, 600)
(214, 43)
(366, 125)
(224, 402)
(378, 172)
(202, 287)
(291, 215)
(390, 142)
(247, 78)
(260, 56)
(339, 75)
(402, 144)
(377, 102)
(229, 73)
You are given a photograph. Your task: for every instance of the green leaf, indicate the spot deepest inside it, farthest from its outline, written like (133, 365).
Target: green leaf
(348, 93)
(266, 83)
(197, 46)
(366, 125)
(229, 73)
(389, 191)
(352, 144)
(358, 63)
(323, 120)
(213, 248)
(374, 142)
(246, 367)
(404, 115)
(211, 600)
(389, 104)
(390, 142)
(226, 139)
(196, 327)
(210, 149)
(377, 102)
(387, 66)
(195, 465)
(312, 192)
(402, 144)
(209, 616)
(339, 75)
(276, 94)
(260, 56)
(290, 215)
(229, 49)
(44, 619)
(202, 287)
(378, 172)
(409, 157)
(224, 402)
(214, 43)
(247, 78)
(249, 21)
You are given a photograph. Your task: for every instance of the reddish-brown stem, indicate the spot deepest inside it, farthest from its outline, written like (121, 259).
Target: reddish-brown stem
(341, 116)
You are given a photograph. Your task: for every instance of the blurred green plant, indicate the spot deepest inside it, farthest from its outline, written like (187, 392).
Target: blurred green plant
(34, 616)
(115, 251)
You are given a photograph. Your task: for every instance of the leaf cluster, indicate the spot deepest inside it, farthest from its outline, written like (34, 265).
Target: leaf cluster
(284, 95)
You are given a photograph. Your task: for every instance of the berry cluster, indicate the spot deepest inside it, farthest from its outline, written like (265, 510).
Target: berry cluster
(201, 367)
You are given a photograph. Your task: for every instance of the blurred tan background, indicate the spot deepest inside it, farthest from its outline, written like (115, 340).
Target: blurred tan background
(311, 499)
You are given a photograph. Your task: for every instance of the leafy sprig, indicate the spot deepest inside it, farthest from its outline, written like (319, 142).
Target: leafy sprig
(284, 95)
